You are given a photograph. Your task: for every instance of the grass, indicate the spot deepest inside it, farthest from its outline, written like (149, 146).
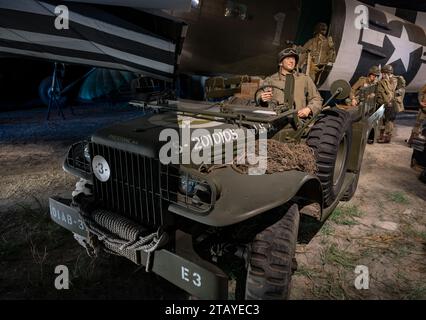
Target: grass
(327, 229)
(422, 235)
(381, 205)
(414, 234)
(29, 239)
(10, 249)
(30, 229)
(416, 292)
(303, 271)
(398, 197)
(367, 252)
(402, 251)
(333, 255)
(345, 215)
(331, 287)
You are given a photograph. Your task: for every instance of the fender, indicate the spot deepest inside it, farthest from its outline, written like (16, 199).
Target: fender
(263, 193)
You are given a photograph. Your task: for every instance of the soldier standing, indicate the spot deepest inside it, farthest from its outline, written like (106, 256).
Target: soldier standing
(390, 93)
(322, 52)
(371, 79)
(421, 116)
(305, 98)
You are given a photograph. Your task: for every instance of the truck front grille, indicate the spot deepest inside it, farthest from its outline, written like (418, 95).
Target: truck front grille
(138, 187)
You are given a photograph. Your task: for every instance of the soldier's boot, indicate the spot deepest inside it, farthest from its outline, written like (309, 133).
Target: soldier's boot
(385, 139)
(388, 138)
(381, 138)
(412, 137)
(422, 177)
(416, 167)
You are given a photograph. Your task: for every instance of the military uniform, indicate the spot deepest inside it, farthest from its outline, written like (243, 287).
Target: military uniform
(400, 93)
(421, 116)
(361, 83)
(305, 92)
(364, 82)
(321, 48)
(390, 92)
(322, 51)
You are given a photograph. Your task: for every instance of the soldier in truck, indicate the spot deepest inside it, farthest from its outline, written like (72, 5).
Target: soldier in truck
(305, 98)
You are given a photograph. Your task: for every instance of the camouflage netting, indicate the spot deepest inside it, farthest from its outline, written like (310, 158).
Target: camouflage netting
(284, 157)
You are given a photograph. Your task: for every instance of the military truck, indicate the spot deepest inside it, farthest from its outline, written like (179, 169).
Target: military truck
(418, 159)
(203, 224)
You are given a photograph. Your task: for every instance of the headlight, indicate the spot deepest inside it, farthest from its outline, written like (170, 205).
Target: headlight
(193, 190)
(87, 153)
(78, 162)
(187, 185)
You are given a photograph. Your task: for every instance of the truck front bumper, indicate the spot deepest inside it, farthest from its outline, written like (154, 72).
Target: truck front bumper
(182, 267)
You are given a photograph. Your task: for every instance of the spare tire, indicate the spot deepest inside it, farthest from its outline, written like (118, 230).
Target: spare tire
(331, 138)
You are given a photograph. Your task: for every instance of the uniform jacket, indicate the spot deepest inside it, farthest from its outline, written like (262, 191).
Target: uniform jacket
(361, 83)
(305, 92)
(392, 90)
(322, 49)
(400, 93)
(422, 94)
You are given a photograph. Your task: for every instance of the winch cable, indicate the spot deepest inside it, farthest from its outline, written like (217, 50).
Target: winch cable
(117, 231)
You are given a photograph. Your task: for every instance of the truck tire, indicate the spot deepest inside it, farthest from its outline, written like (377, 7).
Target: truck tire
(271, 259)
(44, 88)
(331, 138)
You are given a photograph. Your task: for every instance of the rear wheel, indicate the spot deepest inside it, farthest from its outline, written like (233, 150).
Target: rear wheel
(45, 92)
(272, 259)
(331, 138)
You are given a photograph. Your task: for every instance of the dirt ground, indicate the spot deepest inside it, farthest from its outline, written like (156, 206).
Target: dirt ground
(383, 227)
(31, 246)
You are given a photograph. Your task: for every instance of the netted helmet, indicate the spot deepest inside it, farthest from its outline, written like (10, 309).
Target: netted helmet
(387, 69)
(289, 52)
(374, 70)
(319, 27)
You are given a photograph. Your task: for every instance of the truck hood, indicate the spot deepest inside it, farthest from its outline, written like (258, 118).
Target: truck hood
(154, 133)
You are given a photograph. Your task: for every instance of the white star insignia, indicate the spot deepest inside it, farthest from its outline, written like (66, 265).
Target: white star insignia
(403, 48)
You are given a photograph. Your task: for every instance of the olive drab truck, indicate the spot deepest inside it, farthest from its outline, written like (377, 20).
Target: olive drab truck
(198, 223)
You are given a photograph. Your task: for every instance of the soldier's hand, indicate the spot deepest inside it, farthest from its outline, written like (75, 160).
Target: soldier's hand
(266, 95)
(304, 113)
(354, 103)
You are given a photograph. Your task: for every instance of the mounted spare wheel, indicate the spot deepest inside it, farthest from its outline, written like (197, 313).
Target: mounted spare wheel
(331, 138)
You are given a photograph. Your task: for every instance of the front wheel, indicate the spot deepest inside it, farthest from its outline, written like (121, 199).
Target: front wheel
(272, 259)
(331, 139)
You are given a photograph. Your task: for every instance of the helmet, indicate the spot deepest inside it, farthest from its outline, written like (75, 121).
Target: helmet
(387, 69)
(319, 27)
(374, 70)
(289, 52)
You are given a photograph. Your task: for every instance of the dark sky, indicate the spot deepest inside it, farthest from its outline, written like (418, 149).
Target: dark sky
(418, 5)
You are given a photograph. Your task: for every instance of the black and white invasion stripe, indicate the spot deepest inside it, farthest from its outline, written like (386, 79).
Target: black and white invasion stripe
(95, 37)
